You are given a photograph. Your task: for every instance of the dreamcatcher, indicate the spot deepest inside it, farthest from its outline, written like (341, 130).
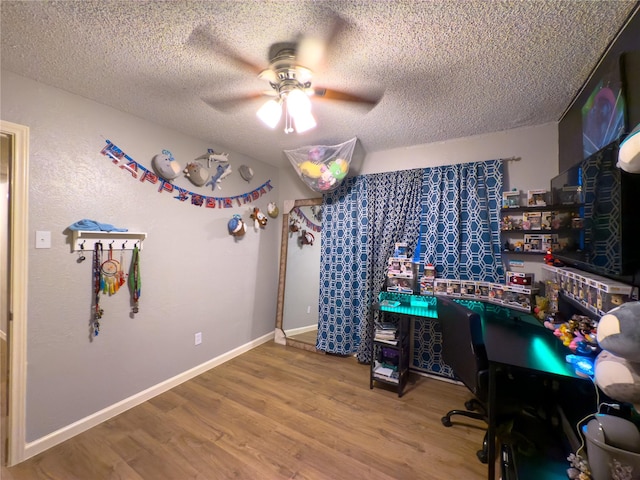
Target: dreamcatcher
(112, 276)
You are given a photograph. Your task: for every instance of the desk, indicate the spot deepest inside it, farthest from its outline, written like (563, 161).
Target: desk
(522, 345)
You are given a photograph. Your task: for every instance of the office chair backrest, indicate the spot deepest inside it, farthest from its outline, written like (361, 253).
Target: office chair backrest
(462, 346)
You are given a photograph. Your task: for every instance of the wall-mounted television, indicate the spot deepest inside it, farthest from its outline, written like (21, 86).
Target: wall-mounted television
(609, 243)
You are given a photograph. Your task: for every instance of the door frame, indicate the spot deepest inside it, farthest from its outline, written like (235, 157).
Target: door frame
(18, 281)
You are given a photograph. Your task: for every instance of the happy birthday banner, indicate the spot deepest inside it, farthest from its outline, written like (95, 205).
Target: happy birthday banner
(313, 226)
(128, 164)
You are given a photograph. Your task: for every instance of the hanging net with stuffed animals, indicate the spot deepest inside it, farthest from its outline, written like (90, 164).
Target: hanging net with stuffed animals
(322, 167)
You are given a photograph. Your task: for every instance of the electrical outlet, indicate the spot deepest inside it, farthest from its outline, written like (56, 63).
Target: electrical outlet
(198, 339)
(309, 309)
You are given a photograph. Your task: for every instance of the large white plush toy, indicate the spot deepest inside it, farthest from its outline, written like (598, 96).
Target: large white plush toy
(629, 154)
(617, 367)
(166, 166)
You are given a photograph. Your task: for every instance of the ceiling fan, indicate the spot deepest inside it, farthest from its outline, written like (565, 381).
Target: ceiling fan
(290, 78)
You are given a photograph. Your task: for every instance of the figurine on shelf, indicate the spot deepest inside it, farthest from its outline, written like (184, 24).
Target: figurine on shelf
(549, 259)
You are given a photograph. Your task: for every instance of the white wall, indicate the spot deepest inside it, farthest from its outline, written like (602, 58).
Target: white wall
(535, 148)
(195, 276)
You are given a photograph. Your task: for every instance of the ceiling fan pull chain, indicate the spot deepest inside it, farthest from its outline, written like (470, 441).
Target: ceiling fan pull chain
(288, 128)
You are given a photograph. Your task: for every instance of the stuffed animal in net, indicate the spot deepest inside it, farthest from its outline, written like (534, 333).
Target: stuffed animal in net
(617, 367)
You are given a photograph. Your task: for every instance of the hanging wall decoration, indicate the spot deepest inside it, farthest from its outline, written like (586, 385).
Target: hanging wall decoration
(196, 173)
(222, 171)
(96, 281)
(140, 172)
(212, 156)
(135, 282)
(272, 210)
(246, 172)
(165, 165)
(236, 226)
(259, 219)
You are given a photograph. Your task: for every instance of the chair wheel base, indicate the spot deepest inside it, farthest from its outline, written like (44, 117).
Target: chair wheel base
(446, 421)
(482, 456)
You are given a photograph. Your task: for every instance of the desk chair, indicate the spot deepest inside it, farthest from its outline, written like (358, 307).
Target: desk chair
(463, 350)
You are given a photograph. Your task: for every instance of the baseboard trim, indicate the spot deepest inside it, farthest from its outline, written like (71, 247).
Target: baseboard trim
(84, 424)
(299, 330)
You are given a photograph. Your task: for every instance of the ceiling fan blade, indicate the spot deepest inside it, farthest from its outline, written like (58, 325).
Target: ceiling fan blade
(202, 38)
(328, 94)
(312, 52)
(268, 75)
(231, 103)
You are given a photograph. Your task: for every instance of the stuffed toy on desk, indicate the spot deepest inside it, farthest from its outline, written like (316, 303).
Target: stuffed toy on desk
(617, 367)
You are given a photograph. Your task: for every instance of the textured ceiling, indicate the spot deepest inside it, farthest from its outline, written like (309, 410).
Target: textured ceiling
(448, 69)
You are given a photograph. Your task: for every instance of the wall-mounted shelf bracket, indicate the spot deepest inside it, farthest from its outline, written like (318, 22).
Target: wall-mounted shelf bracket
(87, 239)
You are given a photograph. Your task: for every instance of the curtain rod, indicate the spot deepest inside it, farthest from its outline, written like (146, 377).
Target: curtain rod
(511, 159)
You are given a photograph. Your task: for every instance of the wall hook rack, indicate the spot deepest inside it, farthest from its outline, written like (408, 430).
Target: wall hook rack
(86, 239)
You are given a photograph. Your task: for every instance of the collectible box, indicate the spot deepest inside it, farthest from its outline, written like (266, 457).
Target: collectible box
(520, 279)
(400, 267)
(569, 195)
(496, 292)
(537, 198)
(483, 289)
(401, 284)
(440, 286)
(532, 221)
(520, 298)
(561, 220)
(612, 294)
(468, 288)
(546, 219)
(533, 242)
(453, 288)
(511, 199)
(401, 250)
(426, 285)
(512, 221)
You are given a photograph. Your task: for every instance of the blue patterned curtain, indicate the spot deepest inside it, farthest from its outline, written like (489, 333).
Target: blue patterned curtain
(362, 221)
(460, 226)
(344, 286)
(393, 207)
(453, 210)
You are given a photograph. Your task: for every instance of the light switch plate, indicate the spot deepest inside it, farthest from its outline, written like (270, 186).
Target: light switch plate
(43, 239)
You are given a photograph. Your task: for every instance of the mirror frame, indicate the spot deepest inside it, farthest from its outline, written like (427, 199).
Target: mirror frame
(280, 336)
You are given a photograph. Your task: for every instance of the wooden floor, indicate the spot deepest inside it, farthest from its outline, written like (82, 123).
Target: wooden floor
(275, 412)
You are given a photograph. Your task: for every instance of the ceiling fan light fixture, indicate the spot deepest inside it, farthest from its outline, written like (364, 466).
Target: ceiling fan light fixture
(304, 121)
(298, 103)
(270, 113)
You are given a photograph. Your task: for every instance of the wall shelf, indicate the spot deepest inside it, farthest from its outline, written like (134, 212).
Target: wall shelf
(87, 239)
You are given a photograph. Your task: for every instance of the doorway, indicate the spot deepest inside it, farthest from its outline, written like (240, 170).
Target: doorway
(13, 288)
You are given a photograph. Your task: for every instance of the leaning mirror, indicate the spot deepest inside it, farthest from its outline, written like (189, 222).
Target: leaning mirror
(299, 280)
